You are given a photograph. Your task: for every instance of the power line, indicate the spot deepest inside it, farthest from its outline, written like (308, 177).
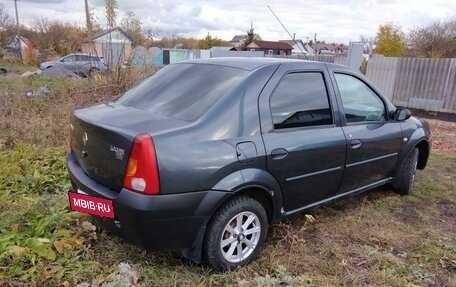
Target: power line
(292, 38)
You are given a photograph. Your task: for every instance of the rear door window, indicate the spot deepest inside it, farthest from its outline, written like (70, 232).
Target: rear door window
(301, 100)
(183, 91)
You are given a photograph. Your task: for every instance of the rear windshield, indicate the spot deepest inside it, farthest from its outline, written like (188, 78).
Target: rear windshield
(183, 91)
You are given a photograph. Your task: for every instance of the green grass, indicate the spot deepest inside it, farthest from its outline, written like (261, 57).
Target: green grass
(15, 66)
(375, 239)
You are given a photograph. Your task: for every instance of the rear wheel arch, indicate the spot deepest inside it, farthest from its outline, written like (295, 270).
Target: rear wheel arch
(256, 192)
(261, 195)
(256, 183)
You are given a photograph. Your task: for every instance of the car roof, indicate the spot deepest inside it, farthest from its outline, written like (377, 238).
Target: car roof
(82, 54)
(254, 63)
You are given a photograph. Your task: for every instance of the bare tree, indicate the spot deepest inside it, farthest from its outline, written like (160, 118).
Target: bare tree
(436, 40)
(6, 23)
(111, 14)
(132, 27)
(54, 38)
(153, 32)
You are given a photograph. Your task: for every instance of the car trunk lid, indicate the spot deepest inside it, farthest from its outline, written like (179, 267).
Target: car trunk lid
(102, 138)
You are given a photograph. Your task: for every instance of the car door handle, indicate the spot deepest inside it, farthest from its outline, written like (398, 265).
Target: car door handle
(279, 153)
(354, 144)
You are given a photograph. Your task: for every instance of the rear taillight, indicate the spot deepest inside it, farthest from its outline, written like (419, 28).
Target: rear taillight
(142, 167)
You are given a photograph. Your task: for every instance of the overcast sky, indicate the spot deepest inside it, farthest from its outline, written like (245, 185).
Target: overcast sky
(332, 20)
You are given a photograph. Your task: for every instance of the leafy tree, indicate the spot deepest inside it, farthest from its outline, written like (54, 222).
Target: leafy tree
(251, 36)
(390, 41)
(435, 40)
(209, 42)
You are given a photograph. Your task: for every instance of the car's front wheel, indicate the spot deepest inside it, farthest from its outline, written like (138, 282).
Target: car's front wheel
(93, 72)
(403, 184)
(236, 234)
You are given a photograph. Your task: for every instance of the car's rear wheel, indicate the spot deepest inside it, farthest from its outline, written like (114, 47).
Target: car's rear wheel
(236, 234)
(403, 184)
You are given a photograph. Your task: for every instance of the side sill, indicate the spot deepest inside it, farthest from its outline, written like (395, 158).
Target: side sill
(285, 214)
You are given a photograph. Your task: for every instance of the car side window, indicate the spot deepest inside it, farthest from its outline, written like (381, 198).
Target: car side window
(360, 102)
(68, 59)
(300, 100)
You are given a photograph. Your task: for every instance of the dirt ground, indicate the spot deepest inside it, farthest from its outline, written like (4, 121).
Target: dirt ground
(443, 128)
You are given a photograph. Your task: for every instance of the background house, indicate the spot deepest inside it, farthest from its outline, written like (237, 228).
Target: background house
(114, 45)
(324, 48)
(238, 40)
(19, 46)
(270, 47)
(298, 46)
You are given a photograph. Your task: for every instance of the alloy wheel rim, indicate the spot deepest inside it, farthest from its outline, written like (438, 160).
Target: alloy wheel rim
(240, 237)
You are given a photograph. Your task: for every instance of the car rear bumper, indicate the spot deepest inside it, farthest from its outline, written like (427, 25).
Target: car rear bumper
(154, 222)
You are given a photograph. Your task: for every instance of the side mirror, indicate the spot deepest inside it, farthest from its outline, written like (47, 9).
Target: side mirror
(401, 114)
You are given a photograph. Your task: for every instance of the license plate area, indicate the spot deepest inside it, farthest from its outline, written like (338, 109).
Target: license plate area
(91, 204)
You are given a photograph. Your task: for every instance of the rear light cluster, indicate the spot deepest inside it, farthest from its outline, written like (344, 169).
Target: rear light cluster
(142, 167)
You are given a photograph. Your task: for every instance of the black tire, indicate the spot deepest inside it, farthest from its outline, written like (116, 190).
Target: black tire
(239, 209)
(93, 72)
(3, 71)
(403, 184)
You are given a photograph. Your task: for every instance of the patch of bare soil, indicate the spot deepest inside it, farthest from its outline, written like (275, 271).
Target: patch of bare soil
(443, 128)
(443, 137)
(448, 215)
(408, 214)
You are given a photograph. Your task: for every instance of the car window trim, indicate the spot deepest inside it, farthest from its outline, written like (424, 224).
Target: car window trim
(385, 106)
(320, 71)
(274, 130)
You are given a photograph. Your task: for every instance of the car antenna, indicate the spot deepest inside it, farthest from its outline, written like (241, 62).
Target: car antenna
(292, 38)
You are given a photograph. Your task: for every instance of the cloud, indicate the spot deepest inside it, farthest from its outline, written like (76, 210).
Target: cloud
(331, 20)
(45, 1)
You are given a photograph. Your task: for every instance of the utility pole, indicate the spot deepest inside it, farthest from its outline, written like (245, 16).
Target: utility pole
(315, 44)
(88, 20)
(18, 39)
(17, 16)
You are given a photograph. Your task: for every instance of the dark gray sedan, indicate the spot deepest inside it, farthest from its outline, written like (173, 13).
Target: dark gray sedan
(204, 155)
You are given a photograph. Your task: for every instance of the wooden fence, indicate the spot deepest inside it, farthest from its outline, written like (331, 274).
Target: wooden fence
(421, 83)
(336, 59)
